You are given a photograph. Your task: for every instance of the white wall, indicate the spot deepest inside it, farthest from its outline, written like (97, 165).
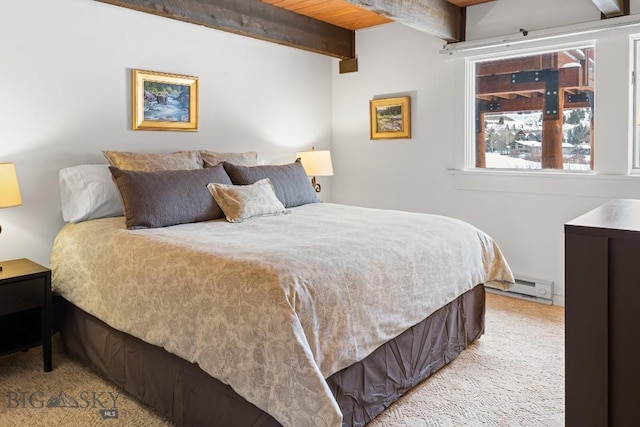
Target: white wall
(65, 77)
(525, 213)
(503, 17)
(497, 18)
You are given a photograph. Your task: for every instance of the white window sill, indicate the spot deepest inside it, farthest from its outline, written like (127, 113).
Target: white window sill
(560, 183)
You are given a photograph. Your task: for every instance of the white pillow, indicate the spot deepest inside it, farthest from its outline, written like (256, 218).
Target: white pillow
(88, 192)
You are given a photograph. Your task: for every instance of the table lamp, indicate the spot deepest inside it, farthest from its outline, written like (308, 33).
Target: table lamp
(316, 163)
(9, 190)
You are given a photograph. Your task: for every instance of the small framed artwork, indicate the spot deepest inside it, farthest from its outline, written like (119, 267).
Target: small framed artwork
(164, 101)
(390, 118)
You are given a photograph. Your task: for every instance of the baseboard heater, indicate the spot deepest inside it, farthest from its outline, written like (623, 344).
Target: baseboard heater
(528, 289)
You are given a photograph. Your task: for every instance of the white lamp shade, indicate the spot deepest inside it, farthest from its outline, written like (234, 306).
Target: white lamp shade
(316, 162)
(9, 189)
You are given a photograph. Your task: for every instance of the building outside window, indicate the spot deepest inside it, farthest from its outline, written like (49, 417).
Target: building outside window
(535, 111)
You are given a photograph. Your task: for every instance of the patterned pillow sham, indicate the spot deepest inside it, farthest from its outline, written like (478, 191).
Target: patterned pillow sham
(241, 202)
(163, 198)
(211, 158)
(290, 181)
(151, 162)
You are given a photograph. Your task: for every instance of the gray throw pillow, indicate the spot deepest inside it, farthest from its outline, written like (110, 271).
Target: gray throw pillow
(162, 198)
(290, 181)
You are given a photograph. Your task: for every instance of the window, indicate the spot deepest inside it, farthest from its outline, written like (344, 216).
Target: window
(535, 111)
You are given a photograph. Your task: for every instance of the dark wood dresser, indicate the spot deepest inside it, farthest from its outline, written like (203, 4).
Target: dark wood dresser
(602, 298)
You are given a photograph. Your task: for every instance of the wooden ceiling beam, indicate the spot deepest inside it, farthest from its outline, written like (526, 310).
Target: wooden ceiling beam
(256, 19)
(502, 83)
(438, 18)
(612, 8)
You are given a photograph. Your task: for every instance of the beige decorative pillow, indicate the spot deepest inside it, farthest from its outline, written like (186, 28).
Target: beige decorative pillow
(241, 202)
(211, 158)
(153, 162)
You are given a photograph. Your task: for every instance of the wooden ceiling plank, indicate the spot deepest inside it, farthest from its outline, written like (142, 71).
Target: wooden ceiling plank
(465, 3)
(328, 8)
(295, 6)
(255, 19)
(438, 18)
(612, 8)
(350, 14)
(306, 3)
(322, 12)
(334, 12)
(354, 24)
(283, 3)
(299, 5)
(335, 4)
(351, 10)
(337, 14)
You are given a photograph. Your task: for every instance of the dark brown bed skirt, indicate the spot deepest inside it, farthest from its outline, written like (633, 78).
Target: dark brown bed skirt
(183, 392)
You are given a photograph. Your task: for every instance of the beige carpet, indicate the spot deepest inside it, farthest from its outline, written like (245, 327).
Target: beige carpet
(512, 376)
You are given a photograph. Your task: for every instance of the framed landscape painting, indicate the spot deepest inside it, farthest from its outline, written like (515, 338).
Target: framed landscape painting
(390, 118)
(164, 101)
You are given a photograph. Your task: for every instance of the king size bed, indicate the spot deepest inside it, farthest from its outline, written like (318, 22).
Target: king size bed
(313, 314)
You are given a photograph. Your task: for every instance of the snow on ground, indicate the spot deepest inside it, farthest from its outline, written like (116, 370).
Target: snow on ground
(528, 122)
(497, 161)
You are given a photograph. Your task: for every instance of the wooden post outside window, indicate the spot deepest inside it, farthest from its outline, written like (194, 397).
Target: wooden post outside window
(552, 136)
(481, 144)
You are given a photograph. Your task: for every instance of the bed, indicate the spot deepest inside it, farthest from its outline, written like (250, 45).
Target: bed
(298, 314)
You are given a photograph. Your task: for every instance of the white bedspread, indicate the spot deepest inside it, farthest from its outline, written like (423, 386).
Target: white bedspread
(274, 305)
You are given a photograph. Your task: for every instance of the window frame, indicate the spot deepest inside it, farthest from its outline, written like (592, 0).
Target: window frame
(635, 118)
(470, 103)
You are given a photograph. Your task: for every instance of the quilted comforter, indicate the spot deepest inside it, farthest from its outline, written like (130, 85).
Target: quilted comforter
(274, 305)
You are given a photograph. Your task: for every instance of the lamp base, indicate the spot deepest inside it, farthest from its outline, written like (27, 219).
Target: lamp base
(316, 186)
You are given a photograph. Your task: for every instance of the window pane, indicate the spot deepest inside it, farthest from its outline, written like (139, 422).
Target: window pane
(535, 111)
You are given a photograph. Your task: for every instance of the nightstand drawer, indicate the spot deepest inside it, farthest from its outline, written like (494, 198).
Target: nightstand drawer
(22, 295)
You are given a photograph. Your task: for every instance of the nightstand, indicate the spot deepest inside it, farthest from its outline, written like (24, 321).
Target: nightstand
(25, 308)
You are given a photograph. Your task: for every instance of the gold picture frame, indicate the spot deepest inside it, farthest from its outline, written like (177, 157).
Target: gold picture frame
(390, 118)
(164, 101)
